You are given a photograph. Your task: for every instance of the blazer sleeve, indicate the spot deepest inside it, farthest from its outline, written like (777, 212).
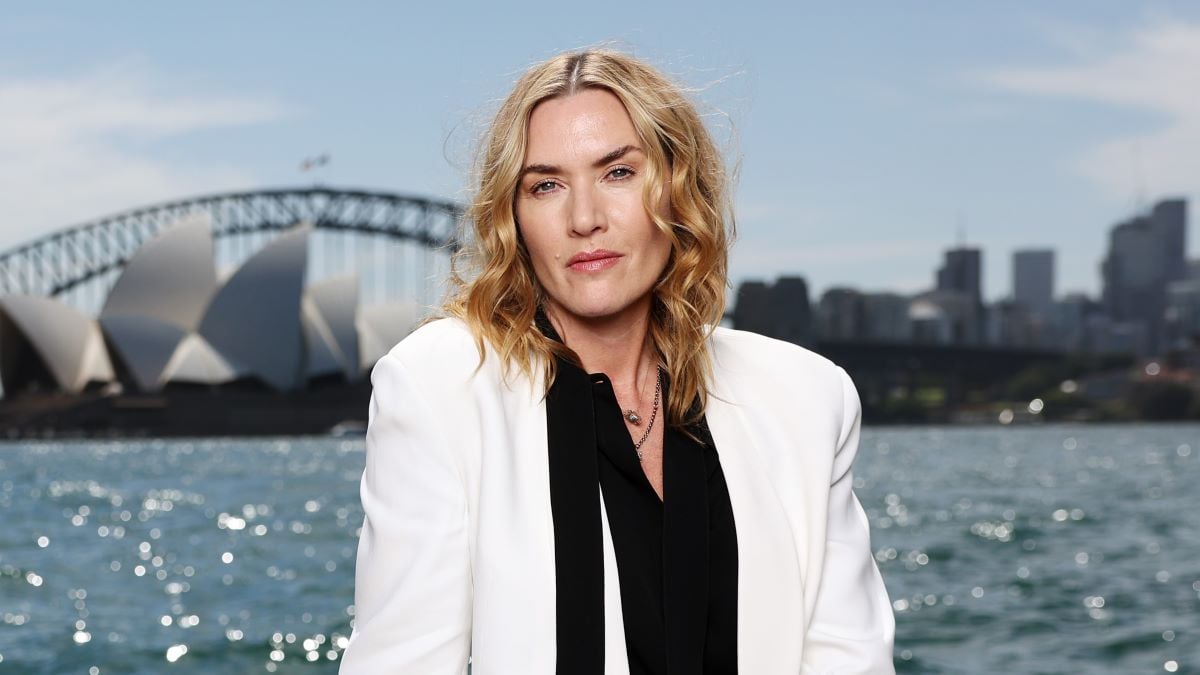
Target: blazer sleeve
(412, 585)
(852, 627)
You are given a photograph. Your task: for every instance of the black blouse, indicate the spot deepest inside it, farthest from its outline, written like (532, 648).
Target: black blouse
(676, 558)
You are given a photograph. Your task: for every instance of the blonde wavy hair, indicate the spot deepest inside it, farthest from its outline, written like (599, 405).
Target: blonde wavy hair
(493, 287)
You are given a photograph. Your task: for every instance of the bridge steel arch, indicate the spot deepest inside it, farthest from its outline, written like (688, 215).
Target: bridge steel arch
(59, 262)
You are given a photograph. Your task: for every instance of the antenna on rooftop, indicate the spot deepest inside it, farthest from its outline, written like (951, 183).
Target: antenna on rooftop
(1139, 179)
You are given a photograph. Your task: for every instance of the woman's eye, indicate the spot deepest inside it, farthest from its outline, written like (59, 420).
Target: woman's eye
(621, 172)
(542, 186)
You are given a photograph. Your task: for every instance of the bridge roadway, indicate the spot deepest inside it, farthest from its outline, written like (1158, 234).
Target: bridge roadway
(880, 367)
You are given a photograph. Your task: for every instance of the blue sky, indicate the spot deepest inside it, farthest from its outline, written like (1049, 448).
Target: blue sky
(868, 134)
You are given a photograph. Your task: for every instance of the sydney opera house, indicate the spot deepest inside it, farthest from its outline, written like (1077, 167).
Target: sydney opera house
(179, 348)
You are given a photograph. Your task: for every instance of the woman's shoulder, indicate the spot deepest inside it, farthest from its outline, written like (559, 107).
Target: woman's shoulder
(787, 383)
(751, 353)
(441, 348)
(435, 335)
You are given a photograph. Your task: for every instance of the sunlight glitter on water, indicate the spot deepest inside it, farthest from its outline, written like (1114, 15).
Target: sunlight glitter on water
(1087, 515)
(1050, 536)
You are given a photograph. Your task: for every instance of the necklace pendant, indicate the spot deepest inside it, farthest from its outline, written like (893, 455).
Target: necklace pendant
(633, 417)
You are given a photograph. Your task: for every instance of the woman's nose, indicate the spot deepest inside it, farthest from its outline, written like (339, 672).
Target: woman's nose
(587, 214)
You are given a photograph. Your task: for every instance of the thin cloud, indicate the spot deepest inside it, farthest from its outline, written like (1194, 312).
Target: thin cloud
(72, 148)
(1153, 70)
(871, 264)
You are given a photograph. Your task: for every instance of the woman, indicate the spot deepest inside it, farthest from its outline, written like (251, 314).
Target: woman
(575, 472)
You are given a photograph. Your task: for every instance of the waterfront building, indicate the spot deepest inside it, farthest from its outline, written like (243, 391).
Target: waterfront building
(962, 272)
(1068, 321)
(1193, 270)
(1183, 313)
(1106, 336)
(961, 276)
(780, 310)
(930, 323)
(947, 317)
(1033, 279)
(752, 308)
(1011, 324)
(886, 317)
(842, 314)
(1146, 253)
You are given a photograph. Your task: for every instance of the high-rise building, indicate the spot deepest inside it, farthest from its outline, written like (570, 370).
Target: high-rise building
(1183, 313)
(841, 314)
(1069, 320)
(1193, 270)
(779, 310)
(886, 317)
(959, 317)
(752, 308)
(961, 277)
(849, 314)
(1033, 280)
(962, 271)
(1145, 254)
(1170, 215)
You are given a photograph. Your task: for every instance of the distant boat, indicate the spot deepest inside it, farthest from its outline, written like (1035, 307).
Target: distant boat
(348, 428)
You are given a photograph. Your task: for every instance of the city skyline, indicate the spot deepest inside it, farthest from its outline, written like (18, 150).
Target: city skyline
(963, 265)
(1150, 303)
(867, 139)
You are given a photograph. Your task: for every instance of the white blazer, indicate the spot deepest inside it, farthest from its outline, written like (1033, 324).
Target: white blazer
(456, 556)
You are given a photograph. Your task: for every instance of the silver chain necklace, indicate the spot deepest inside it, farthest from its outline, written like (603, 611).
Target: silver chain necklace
(634, 418)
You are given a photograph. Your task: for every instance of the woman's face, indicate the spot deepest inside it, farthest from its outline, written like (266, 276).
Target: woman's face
(595, 250)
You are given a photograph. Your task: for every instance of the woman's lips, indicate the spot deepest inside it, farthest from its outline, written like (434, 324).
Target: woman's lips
(593, 261)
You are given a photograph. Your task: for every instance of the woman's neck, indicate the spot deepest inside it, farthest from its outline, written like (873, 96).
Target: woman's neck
(619, 345)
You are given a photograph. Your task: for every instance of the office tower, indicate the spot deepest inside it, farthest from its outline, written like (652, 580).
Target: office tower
(752, 310)
(962, 271)
(886, 317)
(954, 316)
(961, 275)
(780, 310)
(1033, 279)
(1145, 254)
(841, 314)
(848, 314)
(793, 321)
(1183, 313)
(1170, 216)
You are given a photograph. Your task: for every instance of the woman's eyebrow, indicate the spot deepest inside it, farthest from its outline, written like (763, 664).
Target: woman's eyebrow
(615, 155)
(609, 157)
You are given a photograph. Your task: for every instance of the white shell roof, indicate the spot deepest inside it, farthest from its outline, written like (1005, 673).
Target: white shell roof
(254, 318)
(330, 308)
(321, 352)
(144, 345)
(196, 361)
(69, 343)
(168, 318)
(170, 278)
(381, 326)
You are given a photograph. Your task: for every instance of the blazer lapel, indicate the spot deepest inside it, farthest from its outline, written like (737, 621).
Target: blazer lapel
(514, 570)
(770, 588)
(530, 590)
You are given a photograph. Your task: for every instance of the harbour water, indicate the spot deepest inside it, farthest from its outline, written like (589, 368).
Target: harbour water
(1046, 549)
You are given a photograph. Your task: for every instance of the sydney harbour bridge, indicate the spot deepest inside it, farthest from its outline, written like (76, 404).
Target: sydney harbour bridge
(133, 322)
(398, 244)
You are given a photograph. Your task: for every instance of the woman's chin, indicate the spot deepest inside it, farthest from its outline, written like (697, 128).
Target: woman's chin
(600, 311)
